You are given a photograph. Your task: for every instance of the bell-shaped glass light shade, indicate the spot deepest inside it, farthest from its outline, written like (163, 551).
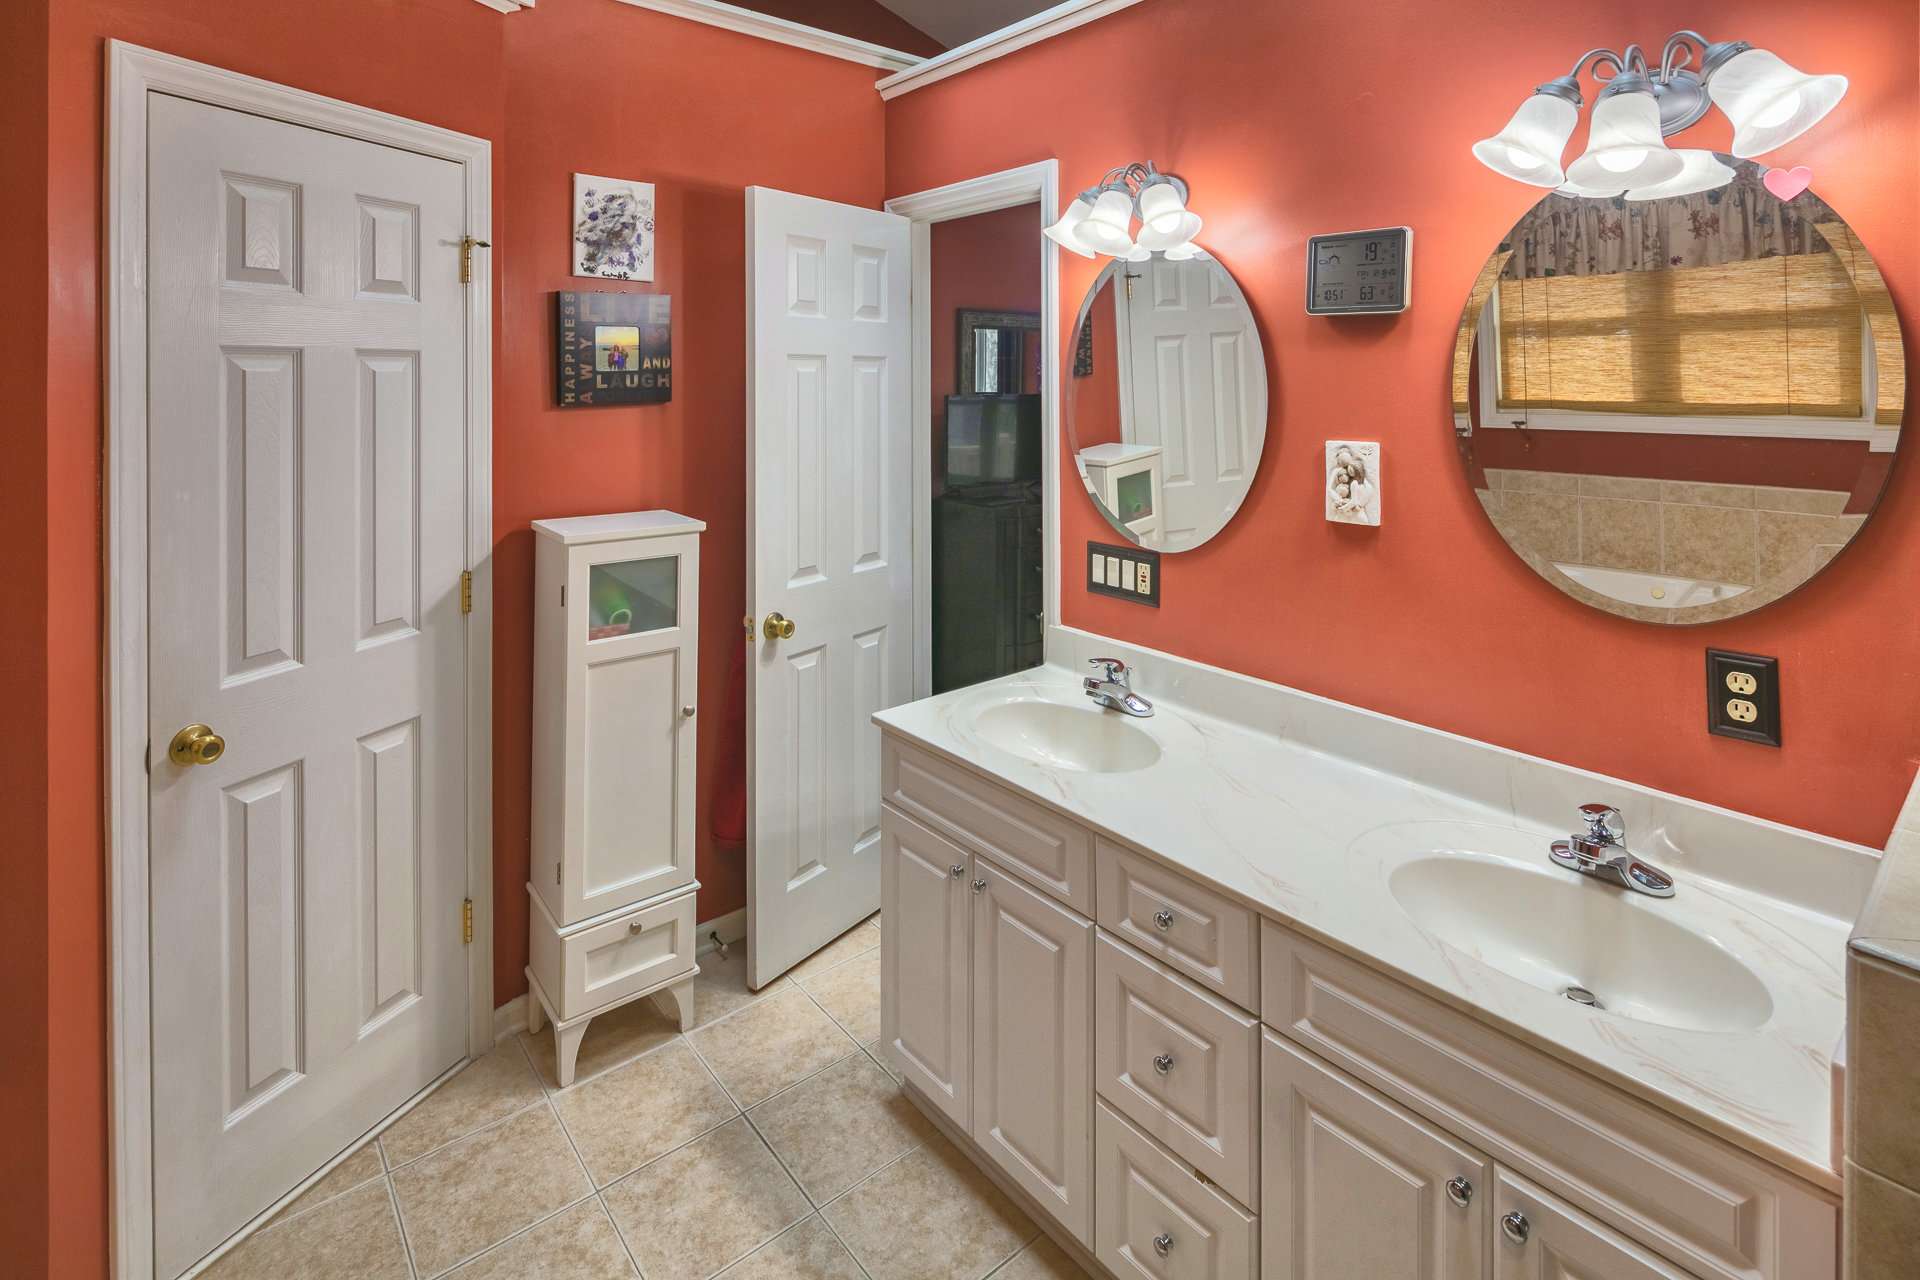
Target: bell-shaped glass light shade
(1769, 102)
(1624, 146)
(1587, 193)
(1170, 231)
(1161, 203)
(1109, 228)
(1182, 252)
(1065, 232)
(1529, 148)
(1699, 171)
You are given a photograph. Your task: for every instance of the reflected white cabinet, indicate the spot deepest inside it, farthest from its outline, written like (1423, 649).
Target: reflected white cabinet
(616, 604)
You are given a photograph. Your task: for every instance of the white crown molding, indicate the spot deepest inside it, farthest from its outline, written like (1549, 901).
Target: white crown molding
(998, 44)
(733, 18)
(508, 6)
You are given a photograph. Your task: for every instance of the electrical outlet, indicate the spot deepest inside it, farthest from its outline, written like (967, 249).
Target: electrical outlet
(1130, 572)
(1743, 696)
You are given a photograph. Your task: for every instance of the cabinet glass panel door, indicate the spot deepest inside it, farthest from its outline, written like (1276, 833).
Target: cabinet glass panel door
(628, 597)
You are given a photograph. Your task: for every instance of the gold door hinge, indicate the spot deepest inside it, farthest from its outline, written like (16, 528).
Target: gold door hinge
(467, 245)
(466, 591)
(466, 922)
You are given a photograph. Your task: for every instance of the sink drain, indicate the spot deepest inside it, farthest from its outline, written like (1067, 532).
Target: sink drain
(1580, 995)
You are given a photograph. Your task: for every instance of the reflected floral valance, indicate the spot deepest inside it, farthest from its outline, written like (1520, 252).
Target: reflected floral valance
(1577, 236)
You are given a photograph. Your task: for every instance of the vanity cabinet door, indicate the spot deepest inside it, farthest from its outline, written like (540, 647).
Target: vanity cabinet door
(1355, 1185)
(924, 899)
(1538, 1236)
(1032, 1034)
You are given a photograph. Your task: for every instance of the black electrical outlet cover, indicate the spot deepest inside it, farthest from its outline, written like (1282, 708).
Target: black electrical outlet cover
(1727, 673)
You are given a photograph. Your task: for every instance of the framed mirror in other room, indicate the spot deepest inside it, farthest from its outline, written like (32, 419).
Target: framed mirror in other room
(999, 353)
(1679, 410)
(1166, 402)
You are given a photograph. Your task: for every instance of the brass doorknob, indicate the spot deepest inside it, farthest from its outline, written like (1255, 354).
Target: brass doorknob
(196, 744)
(777, 627)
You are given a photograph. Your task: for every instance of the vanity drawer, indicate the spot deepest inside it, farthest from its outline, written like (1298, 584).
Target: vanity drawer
(595, 964)
(1179, 1062)
(1718, 1211)
(1050, 852)
(1204, 934)
(1145, 1201)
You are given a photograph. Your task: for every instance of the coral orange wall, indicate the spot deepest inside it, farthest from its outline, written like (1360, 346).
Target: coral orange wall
(1323, 116)
(703, 112)
(987, 262)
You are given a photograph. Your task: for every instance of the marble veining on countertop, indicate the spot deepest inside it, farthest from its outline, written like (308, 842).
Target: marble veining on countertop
(1291, 822)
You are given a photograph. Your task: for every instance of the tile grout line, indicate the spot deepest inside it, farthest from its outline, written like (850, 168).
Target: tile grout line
(600, 1197)
(814, 1207)
(508, 1239)
(400, 1221)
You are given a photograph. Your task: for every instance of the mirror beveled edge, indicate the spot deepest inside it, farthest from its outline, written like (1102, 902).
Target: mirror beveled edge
(1882, 351)
(1255, 415)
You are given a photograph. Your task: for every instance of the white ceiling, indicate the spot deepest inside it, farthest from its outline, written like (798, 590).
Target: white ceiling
(954, 22)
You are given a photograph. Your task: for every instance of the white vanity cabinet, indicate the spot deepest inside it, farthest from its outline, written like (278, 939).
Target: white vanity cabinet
(1188, 1091)
(616, 603)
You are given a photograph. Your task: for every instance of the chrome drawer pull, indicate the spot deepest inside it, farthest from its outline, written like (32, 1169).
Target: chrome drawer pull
(634, 926)
(957, 870)
(1163, 919)
(1163, 1063)
(1515, 1225)
(979, 886)
(1163, 1244)
(1460, 1191)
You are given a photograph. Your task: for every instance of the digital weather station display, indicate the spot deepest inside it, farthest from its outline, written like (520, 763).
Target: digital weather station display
(1356, 272)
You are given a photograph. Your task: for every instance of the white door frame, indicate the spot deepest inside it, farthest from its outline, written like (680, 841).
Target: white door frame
(1010, 187)
(134, 73)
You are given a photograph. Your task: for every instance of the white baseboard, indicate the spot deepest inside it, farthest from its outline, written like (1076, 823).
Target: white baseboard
(732, 928)
(509, 1018)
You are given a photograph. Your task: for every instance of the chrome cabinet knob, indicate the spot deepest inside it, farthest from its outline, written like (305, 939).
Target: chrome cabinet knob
(686, 713)
(957, 870)
(1163, 1063)
(979, 886)
(1163, 919)
(1163, 1244)
(1515, 1225)
(1460, 1191)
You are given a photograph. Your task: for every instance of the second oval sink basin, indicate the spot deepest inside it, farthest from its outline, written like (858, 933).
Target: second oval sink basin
(1581, 939)
(1087, 739)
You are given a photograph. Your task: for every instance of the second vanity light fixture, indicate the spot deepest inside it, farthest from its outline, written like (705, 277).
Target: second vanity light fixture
(1769, 102)
(1100, 219)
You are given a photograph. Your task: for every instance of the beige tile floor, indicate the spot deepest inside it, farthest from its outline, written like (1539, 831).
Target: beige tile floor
(769, 1143)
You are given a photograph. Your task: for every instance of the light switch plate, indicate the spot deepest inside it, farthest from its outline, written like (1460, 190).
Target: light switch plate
(1124, 572)
(1353, 481)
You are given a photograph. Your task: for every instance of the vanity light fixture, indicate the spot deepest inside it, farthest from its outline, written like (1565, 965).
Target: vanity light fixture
(1100, 219)
(1769, 102)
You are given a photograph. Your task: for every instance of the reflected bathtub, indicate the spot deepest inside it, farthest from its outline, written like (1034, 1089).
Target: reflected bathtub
(1650, 590)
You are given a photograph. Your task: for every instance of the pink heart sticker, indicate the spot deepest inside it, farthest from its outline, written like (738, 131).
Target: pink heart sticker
(1788, 183)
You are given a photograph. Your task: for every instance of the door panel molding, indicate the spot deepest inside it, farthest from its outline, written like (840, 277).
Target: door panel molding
(134, 74)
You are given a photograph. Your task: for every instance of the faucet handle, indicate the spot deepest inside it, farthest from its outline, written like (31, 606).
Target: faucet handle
(1116, 670)
(1604, 823)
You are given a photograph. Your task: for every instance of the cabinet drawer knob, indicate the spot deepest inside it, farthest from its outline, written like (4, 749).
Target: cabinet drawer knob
(634, 926)
(979, 886)
(1515, 1225)
(686, 713)
(1460, 1191)
(1163, 1244)
(1163, 919)
(1163, 1063)
(957, 870)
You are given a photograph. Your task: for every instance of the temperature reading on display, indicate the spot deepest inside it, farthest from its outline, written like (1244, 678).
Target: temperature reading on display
(1357, 272)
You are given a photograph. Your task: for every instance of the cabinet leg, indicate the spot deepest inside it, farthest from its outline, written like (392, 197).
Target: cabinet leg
(676, 1002)
(536, 1014)
(566, 1049)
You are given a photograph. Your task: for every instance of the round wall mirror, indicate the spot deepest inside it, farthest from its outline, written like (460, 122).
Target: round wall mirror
(1679, 410)
(1166, 399)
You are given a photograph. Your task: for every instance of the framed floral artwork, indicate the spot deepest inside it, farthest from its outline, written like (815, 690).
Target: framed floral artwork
(612, 228)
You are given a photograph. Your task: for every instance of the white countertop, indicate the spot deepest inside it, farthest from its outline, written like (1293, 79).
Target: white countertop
(1307, 837)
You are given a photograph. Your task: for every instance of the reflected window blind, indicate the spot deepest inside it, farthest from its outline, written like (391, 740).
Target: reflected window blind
(1768, 336)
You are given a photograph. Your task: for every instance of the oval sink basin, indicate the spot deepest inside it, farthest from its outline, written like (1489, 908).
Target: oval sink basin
(1087, 739)
(1587, 941)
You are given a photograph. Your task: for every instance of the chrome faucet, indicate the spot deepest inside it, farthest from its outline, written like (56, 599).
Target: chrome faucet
(1116, 690)
(1601, 852)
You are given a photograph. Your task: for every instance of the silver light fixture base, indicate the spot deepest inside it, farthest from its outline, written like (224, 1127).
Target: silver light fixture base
(1683, 101)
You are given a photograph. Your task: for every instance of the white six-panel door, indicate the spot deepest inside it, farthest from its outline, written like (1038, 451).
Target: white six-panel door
(1193, 362)
(829, 547)
(306, 498)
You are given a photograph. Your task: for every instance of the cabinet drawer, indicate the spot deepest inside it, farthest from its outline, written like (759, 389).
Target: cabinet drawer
(1538, 1234)
(1716, 1210)
(1206, 936)
(1052, 853)
(1153, 1218)
(598, 963)
(1179, 1062)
